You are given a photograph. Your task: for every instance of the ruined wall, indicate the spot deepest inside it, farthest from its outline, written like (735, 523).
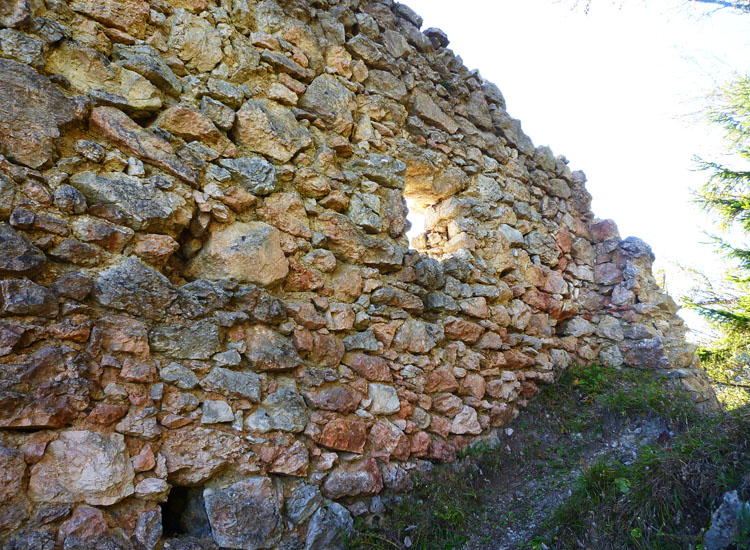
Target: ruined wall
(211, 320)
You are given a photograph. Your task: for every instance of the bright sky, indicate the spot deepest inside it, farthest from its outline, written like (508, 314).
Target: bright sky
(617, 91)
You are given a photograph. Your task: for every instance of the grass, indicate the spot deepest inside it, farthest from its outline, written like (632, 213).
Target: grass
(663, 500)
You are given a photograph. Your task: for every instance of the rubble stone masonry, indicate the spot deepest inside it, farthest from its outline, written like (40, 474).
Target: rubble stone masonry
(211, 322)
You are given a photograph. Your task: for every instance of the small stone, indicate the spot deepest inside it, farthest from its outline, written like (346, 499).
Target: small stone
(233, 384)
(283, 410)
(199, 340)
(270, 129)
(384, 399)
(17, 255)
(220, 114)
(255, 174)
(24, 297)
(342, 434)
(69, 200)
(362, 479)
(192, 125)
(180, 376)
(216, 411)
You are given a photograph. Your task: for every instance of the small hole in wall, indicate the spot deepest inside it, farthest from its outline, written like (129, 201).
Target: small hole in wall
(184, 513)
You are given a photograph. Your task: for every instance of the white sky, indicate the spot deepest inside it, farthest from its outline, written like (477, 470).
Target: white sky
(617, 91)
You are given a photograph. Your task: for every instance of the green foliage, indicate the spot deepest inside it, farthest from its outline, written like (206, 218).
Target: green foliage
(661, 501)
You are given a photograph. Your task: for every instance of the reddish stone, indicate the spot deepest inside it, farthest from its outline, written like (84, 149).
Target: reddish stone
(369, 366)
(106, 414)
(174, 421)
(420, 444)
(86, 525)
(291, 461)
(388, 441)
(564, 240)
(500, 415)
(123, 334)
(144, 460)
(460, 329)
(287, 212)
(109, 236)
(303, 340)
(327, 350)
(440, 425)
(603, 230)
(305, 314)
(441, 380)
(491, 341)
(136, 371)
(516, 360)
(334, 398)
(474, 385)
(441, 451)
(238, 199)
(190, 124)
(155, 249)
(344, 435)
(529, 390)
(302, 278)
(536, 299)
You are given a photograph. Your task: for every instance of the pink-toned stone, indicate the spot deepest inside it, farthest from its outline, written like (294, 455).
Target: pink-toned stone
(371, 367)
(441, 451)
(302, 278)
(105, 414)
(475, 307)
(292, 461)
(154, 248)
(441, 380)
(603, 230)
(420, 444)
(144, 460)
(474, 385)
(192, 125)
(286, 212)
(362, 479)
(460, 329)
(342, 434)
(517, 360)
(126, 15)
(466, 421)
(334, 398)
(447, 404)
(388, 441)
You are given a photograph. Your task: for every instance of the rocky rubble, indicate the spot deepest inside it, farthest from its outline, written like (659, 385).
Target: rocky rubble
(211, 320)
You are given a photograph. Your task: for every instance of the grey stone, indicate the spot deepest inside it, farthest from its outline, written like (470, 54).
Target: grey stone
(385, 83)
(214, 412)
(610, 328)
(255, 174)
(267, 350)
(196, 41)
(148, 529)
(14, 13)
(245, 515)
(147, 62)
(22, 48)
(283, 410)
(645, 354)
(543, 245)
(220, 114)
(135, 288)
(7, 197)
(33, 114)
(201, 298)
(199, 340)
(303, 502)
(24, 297)
(245, 384)
(366, 218)
(17, 255)
(329, 528)
(425, 108)
(180, 376)
(69, 200)
(144, 205)
(328, 98)
(382, 169)
(265, 127)
(364, 341)
(577, 326)
(725, 522)
(429, 273)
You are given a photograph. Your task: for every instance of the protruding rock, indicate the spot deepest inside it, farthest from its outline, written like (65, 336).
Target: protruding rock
(34, 112)
(82, 466)
(143, 204)
(117, 127)
(246, 252)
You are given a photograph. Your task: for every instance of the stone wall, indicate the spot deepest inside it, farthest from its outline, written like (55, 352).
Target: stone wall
(211, 321)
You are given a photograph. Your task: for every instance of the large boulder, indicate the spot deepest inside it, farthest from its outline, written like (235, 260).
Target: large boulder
(83, 466)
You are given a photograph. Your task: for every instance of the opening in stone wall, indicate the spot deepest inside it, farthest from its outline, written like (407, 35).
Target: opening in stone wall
(184, 513)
